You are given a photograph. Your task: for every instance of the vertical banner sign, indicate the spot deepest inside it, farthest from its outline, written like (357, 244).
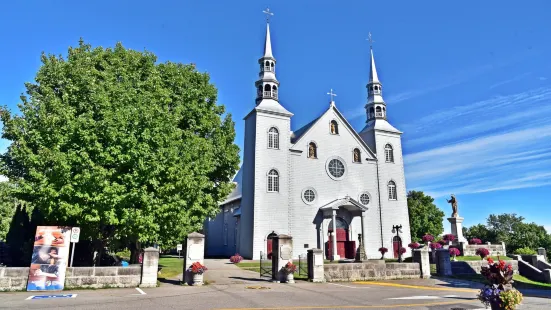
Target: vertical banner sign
(75, 235)
(49, 258)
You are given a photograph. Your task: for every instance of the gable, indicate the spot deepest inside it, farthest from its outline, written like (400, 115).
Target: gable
(318, 131)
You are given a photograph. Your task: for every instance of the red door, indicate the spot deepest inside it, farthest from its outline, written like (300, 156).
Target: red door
(396, 245)
(342, 238)
(269, 245)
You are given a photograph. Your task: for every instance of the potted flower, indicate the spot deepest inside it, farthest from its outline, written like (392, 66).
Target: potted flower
(383, 250)
(498, 293)
(475, 241)
(402, 251)
(454, 252)
(449, 238)
(236, 258)
(414, 245)
(435, 246)
(442, 242)
(482, 252)
(427, 238)
(197, 269)
(289, 269)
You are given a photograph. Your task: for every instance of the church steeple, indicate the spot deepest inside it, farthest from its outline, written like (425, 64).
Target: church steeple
(376, 106)
(267, 86)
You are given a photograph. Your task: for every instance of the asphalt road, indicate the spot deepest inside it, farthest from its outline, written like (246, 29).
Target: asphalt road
(266, 295)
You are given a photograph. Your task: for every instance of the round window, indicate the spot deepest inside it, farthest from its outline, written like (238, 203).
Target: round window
(309, 195)
(336, 168)
(364, 199)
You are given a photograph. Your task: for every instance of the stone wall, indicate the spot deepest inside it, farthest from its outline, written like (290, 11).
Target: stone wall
(373, 270)
(473, 267)
(495, 249)
(100, 277)
(15, 278)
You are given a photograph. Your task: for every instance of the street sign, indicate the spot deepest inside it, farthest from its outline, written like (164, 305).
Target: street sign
(53, 296)
(75, 234)
(178, 247)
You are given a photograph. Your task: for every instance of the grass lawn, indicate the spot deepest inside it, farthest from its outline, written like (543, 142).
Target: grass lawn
(474, 258)
(170, 267)
(518, 281)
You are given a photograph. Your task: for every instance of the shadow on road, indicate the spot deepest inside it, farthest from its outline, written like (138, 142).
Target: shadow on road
(250, 279)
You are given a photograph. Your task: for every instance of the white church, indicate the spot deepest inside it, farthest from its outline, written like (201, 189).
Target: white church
(323, 184)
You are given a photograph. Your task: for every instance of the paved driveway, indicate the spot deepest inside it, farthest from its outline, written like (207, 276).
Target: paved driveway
(222, 272)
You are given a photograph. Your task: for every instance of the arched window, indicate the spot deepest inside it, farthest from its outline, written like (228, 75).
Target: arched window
(334, 127)
(371, 111)
(389, 153)
(267, 87)
(273, 138)
(392, 190)
(274, 92)
(312, 150)
(357, 156)
(259, 91)
(273, 181)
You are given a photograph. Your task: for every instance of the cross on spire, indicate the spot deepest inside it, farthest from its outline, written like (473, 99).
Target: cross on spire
(331, 94)
(268, 14)
(370, 39)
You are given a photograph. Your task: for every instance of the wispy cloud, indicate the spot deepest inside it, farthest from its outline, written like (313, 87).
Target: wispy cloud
(501, 143)
(517, 78)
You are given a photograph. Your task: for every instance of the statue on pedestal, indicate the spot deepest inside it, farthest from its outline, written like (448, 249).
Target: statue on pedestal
(453, 201)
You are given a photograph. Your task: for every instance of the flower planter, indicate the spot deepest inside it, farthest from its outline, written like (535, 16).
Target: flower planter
(197, 279)
(290, 278)
(496, 306)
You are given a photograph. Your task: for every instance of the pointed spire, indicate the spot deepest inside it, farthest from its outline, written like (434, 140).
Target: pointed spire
(373, 78)
(268, 43)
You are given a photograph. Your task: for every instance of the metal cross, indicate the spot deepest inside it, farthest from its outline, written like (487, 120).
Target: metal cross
(268, 14)
(370, 39)
(332, 94)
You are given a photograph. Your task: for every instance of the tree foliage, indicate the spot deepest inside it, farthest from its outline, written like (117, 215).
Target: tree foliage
(127, 148)
(7, 208)
(479, 231)
(424, 216)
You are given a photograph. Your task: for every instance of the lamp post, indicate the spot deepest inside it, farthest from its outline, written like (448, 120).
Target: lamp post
(397, 229)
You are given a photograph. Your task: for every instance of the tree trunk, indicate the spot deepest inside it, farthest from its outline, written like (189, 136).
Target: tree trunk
(135, 250)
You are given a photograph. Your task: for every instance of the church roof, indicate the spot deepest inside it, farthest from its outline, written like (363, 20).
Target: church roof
(236, 193)
(380, 125)
(297, 134)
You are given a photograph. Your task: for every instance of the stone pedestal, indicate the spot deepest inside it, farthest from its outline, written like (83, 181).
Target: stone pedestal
(195, 252)
(457, 229)
(443, 264)
(541, 251)
(282, 253)
(150, 267)
(422, 257)
(316, 272)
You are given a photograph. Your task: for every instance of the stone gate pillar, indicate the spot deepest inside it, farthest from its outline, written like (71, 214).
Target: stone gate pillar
(195, 252)
(422, 257)
(443, 264)
(316, 272)
(150, 267)
(282, 253)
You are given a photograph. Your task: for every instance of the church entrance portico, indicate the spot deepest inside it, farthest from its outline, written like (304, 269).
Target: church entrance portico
(336, 237)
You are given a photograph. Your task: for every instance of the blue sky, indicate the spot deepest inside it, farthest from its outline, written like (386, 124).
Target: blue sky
(469, 83)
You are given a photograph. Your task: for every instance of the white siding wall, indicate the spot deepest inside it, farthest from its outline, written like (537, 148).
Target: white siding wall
(312, 173)
(270, 209)
(248, 189)
(393, 212)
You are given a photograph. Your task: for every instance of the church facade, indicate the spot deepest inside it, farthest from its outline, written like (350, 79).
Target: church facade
(325, 184)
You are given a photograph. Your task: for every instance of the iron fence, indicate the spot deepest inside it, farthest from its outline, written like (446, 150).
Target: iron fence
(265, 266)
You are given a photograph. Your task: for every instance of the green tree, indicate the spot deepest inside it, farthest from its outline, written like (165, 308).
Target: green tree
(125, 147)
(424, 216)
(481, 232)
(530, 235)
(7, 208)
(502, 225)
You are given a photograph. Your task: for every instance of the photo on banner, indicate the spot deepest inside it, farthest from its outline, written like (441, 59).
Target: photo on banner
(49, 258)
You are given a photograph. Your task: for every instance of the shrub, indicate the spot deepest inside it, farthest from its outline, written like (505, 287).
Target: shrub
(482, 252)
(449, 237)
(435, 246)
(414, 245)
(454, 252)
(236, 258)
(475, 241)
(525, 251)
(428, 238)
